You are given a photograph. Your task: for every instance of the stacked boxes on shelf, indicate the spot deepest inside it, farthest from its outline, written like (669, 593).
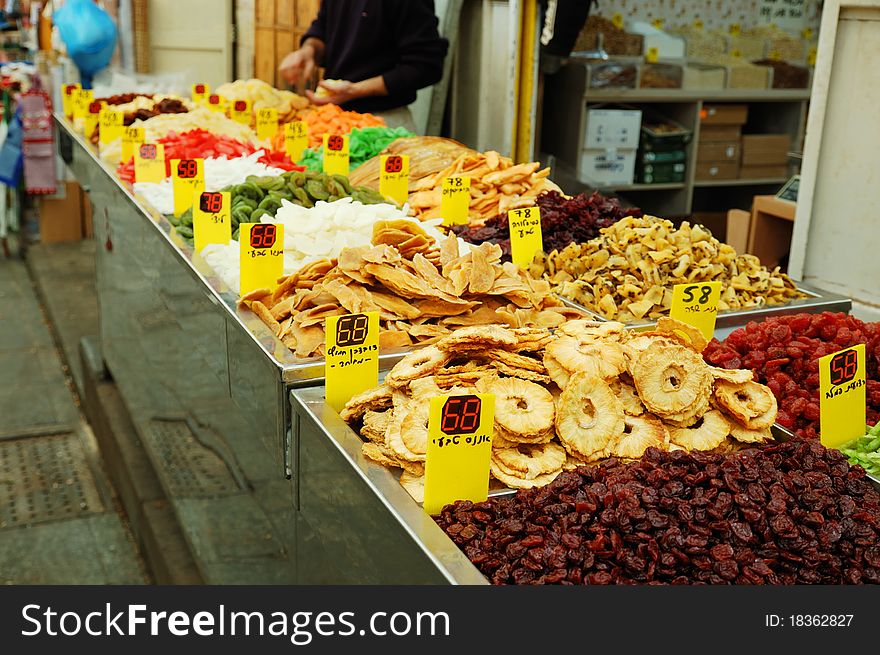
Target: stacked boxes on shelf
(765, 155)
(611, 140)
(662, 155)
(718, 150)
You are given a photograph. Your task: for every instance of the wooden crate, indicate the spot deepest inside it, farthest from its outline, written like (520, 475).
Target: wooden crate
(279, 26)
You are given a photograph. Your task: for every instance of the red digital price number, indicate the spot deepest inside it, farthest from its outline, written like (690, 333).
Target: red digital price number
(263, 236)
(147, 151)
(394, 164)
(200, 88)
(351, 330)
(95, 107)
(844, 366)
(211, 202)
(335, 143)
(240, 105)
(187, 169)
(68, 90)
(461, 415)
(214, 99)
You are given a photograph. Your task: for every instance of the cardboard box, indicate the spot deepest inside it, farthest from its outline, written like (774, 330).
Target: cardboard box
(718, 133)
(761, 172)
(724, 114)
(61, 214)
(737, 235)
(613, 128)
(770, 230)
(608, 166)
(726, 170)
(715, 222)
(765, 149)
(718, 151)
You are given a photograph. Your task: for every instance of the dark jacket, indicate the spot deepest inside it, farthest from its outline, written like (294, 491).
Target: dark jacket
(396, 39)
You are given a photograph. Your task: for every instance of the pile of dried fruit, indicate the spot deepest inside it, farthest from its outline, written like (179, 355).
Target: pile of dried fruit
(563, 221)
(584, 393)
(790, 513)
(783, 352)
(865, 451)
(364, 144)
(628, 272)
(332, 119)
(262, 95)
(422, 291)
(497, 185)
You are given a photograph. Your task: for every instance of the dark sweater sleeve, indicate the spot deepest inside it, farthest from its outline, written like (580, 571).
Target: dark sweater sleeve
(318, 28)
(420, 48)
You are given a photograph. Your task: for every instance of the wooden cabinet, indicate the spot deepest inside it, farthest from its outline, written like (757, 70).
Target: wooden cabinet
(278, 28)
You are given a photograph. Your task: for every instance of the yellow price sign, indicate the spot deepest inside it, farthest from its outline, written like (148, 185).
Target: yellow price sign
(394, 177)
(617, 20)
(842, 396)
(187, 178)
(212, 218)
(240, 111)
(90, 122)
(132, 137)
(110, 122)
(455, 201)
(149, 163)
(296, 139)
(698, 24)
(459, 447)
(652, 55)
(807, 33)
(811, 56)
(68, 97)
(336, 154)
(261, 261)
(81, 102)
(658, 23)
(200, 92)
(525, 234)
(735, 29)
(696, 305)
(351, 360)
(218, 103)
(267, 123)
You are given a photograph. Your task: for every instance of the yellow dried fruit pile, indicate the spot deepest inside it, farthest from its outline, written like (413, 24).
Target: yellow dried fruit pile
(627, 273)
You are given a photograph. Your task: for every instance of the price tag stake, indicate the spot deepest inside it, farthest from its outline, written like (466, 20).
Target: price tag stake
(336, 154)
(187, 177)
(211, 218)
(296, 139)
(525, 234)
(394, 177)
(697, 305)
(455, 201)
(351, 363)
(842, 396)
(261, 255)
(459, 447)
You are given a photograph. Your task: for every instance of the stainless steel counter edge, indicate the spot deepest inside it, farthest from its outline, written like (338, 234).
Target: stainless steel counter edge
(291, 370)
(450, 561)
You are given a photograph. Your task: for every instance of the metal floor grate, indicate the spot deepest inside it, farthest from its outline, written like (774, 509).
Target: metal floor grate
(188, 468)
(45, 478)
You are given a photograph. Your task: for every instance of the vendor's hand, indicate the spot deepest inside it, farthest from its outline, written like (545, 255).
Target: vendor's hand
(335, 92)
(298, 67)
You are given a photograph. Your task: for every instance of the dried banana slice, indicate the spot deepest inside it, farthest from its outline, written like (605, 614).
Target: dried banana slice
(752, 404)
(670, 379)
(710, 432)
(589, 416)
(522, 408)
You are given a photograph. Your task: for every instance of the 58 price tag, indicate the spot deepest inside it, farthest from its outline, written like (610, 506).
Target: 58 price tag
(842, 396)
(697, 305)
(266, 123)
(211, 218)
(187, 178)
(336, 154)
(459, 447)
(351, 360)
(394, 177)
(525, 234)
(455, 201)
(296, 139)
(261, 255)
(149, 163)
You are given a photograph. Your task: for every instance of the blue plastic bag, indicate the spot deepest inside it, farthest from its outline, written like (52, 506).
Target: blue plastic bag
(89, 34)
(11, 157)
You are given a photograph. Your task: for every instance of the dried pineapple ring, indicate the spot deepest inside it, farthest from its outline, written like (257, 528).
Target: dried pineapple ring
(478, 336)
(376, 425)
(371, 399)
(530, 461)
(589, 416)
(414, 429)
(641, 433)
(394, 437)
(521, 407)
(709, 434)
(632, 404)
(583, 328)
(752, 404)
(572, 462)
(520, 483)
(604, 359)
(737, 376)
(745, 435)
(414, 484)
(555, 370)
(417, 364)
(671, 328)
(670, 379)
